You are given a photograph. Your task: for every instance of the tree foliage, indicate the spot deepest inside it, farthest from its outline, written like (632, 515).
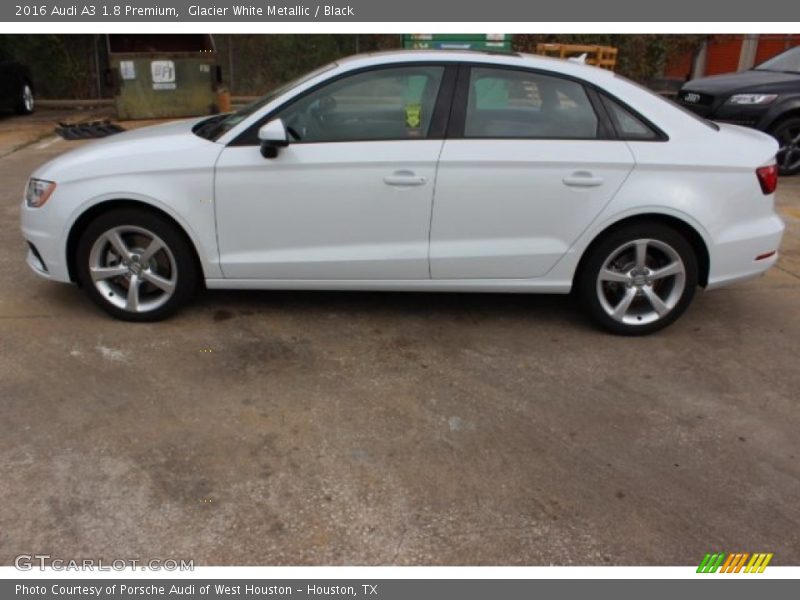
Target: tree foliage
(71, 66)
(63, 66)
(252, 64)
(640, 56)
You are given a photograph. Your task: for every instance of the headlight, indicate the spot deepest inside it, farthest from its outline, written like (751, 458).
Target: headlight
(38, 191)
(752, 99)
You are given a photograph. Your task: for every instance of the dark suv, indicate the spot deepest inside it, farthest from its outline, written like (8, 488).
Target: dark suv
(766, 97)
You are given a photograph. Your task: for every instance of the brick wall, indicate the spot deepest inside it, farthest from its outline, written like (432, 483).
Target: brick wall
(724, 51)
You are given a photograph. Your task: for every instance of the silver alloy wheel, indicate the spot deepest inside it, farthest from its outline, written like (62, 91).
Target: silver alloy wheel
(641, 282)
(27, 98)
(788, 156)
(133, 268)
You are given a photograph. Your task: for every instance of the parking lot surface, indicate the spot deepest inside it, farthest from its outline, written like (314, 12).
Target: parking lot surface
(259, 428)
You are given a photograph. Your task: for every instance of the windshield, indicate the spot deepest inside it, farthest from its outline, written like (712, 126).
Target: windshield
(786, 61)
(215, 127)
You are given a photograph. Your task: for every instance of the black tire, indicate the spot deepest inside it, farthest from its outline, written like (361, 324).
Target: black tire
(664, 246)
(175, 261)
(24, 104)
(787, 132)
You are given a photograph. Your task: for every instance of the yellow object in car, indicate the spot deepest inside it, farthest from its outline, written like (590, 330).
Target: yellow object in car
(413, 115)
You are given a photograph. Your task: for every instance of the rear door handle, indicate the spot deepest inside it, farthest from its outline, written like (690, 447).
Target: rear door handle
(404, 178)
(582, 179)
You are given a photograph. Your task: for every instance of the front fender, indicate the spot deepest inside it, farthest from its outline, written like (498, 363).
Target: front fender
(198, 224)
(779, 111)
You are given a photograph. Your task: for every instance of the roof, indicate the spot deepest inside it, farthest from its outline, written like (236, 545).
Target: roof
(481, 56)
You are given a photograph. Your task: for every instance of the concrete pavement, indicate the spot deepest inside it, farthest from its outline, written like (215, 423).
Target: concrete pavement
(356, 428)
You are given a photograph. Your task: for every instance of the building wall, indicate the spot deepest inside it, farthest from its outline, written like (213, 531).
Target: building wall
(724, 54)
(770, 45)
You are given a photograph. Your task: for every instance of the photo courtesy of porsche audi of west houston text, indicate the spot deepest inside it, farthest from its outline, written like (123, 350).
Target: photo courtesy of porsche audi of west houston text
(418, 171)
(190, 589)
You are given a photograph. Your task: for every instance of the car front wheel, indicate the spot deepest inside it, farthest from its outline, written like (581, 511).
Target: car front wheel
(788, 135)
(638, 279)
(135, 265)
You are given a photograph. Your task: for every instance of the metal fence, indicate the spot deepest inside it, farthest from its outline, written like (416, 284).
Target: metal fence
(74, 66)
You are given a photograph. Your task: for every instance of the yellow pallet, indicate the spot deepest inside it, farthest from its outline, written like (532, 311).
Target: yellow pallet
(604, 57)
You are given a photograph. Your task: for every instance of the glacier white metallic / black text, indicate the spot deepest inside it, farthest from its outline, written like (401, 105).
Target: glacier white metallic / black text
(425, 171)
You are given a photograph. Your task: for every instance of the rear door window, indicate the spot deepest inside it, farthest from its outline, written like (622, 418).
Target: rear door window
(506, 103)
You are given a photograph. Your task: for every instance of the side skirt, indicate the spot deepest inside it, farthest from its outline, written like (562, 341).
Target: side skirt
(520, 286)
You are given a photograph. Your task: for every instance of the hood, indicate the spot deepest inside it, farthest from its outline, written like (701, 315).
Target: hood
(745, 81)
(144, 149)
(162, 130)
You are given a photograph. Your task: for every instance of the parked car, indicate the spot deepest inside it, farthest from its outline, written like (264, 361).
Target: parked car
(423, 171)
(766, 97)
(16, 87)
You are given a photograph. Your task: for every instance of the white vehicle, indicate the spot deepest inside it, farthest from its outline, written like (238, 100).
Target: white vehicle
(422, 171)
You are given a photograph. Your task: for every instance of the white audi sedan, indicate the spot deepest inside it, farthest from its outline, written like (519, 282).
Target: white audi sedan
(421, 171)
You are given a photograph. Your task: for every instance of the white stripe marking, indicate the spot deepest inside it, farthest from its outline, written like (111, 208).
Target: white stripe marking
(48, 142)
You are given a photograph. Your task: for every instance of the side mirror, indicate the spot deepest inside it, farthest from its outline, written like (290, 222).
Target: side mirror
(272, 136)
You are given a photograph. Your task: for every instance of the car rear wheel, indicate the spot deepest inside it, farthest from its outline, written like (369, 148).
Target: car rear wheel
(638, 279)
(136, 265)
(25, 101)
(788, 135)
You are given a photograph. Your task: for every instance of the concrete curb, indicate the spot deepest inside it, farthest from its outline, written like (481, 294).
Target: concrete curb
(66, 103)
(78, 104)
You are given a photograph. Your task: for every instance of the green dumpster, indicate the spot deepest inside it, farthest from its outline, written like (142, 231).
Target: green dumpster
(158, 76)
(491, 42)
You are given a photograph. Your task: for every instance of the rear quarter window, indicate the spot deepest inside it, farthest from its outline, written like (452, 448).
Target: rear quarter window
(627, 125)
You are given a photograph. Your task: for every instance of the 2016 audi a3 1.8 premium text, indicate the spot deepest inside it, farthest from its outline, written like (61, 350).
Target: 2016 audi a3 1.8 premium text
(422, 171)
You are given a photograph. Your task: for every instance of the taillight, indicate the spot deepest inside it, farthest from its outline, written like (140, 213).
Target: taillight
(768, 178)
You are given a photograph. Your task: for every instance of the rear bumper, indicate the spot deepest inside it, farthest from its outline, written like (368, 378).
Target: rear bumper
(735, 257)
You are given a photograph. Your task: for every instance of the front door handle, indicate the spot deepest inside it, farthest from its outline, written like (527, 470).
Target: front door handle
(404, 178)
(582, 179)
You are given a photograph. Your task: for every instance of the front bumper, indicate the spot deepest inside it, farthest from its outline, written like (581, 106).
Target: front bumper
(718, 109)
(748, 116)
(43, 232)
(36, 262)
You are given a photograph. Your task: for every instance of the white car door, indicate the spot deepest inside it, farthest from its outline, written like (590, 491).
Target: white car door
(350, 197)
(529, 168)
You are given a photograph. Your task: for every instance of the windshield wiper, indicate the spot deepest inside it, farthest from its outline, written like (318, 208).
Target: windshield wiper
(205, 129)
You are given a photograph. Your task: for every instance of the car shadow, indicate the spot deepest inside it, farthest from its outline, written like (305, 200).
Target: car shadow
(455, 307)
